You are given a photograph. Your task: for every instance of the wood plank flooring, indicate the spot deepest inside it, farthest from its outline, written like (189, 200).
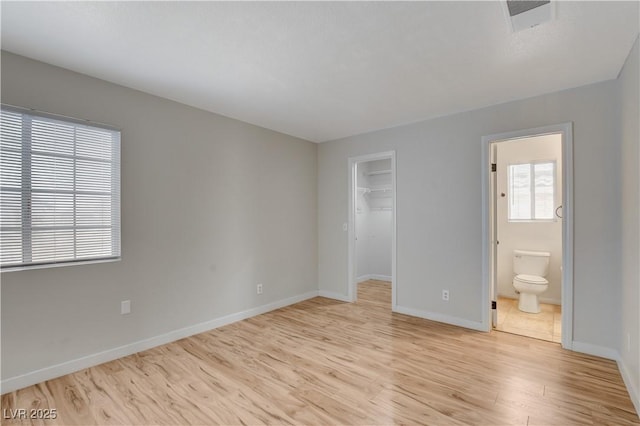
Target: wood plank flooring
(328, 362)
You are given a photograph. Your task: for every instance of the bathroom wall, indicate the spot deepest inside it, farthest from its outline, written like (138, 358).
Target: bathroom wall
(374, 222)
(537, 236)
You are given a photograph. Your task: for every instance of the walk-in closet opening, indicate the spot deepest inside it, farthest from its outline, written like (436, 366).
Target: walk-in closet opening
(372, 236)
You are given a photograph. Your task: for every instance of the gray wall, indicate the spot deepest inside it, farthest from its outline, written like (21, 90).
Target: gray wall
(210, 207)
(439, 206)
(630, 220)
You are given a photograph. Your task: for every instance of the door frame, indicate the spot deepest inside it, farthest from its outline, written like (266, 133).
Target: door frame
(352, 281)
(566, 132)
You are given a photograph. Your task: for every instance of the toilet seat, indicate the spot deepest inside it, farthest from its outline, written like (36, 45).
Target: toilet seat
(531, 279)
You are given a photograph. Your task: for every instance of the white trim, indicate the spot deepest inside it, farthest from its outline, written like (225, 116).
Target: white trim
(48, 373)
(434, 316)
(566, 130)
(335, 296)
(367, 277)
(550, 301)
(546, 300)
(352, 281)
(626, 378)
(59, 264)
(612, 354)
(595, 350)
(487, 285)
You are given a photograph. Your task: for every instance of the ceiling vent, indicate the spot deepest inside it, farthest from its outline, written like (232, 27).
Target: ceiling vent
(524, 14)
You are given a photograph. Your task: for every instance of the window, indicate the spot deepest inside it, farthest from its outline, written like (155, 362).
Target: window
(59, 190)
(531, 191)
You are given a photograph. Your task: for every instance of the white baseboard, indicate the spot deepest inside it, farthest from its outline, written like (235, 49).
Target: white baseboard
(335, 296)
(631, 386)
(547, 300)
(596, 350)
(48, 373)
(433, 316)
(373, 277)
(608, 353)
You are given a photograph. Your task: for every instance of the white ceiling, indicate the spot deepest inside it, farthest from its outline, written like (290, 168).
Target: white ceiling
(325, 70)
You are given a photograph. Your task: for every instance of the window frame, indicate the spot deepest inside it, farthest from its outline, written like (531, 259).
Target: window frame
(115, 223)
(532, 193)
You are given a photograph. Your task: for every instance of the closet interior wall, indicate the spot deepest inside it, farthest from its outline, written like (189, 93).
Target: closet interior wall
(374, 220)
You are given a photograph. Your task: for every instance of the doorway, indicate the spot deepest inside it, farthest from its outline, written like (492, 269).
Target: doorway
(372, 222)
(528, 223)
(526, 199)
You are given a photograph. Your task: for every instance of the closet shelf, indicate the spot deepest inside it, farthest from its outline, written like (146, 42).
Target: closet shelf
(378, 192)
(378, 172)
(380, 189)
(375, 189)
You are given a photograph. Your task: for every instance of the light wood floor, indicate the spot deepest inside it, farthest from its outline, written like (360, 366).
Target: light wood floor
(328, 362)
(545, 325)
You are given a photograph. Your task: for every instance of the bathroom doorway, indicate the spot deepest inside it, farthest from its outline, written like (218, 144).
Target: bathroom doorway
(527, 202)
(372, 224)
(527, 233)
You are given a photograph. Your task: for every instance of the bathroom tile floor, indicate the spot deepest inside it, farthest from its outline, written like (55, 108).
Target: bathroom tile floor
(545, 325)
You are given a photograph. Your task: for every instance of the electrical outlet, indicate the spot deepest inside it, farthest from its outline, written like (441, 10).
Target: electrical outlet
(445, 295)
(125, 307)
(259, 289)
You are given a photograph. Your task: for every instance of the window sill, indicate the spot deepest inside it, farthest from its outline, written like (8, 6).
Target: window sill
(58, 265)
(532, 220)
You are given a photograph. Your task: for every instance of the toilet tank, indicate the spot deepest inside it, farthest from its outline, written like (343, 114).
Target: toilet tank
(531, 262)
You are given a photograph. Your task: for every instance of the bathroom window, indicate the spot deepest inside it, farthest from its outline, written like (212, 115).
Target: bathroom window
(532, 191)
(59, 192)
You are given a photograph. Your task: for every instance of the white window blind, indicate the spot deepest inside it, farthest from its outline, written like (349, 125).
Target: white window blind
(59, 190)
(531, 191)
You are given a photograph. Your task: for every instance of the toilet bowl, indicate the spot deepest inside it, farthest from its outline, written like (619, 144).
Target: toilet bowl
(529, 287)
(530, 268)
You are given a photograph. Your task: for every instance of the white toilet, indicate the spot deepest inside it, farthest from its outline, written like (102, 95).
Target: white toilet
(530, 268)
